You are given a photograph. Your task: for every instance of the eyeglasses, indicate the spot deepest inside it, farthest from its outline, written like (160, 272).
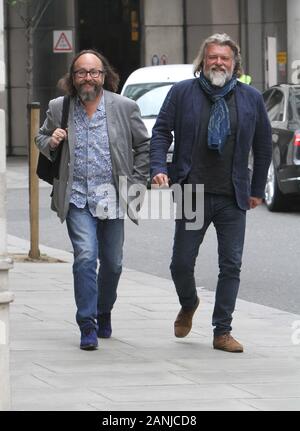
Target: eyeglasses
(82, 73)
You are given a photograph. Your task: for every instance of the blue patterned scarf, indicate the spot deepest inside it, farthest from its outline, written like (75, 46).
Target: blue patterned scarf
(219, 120)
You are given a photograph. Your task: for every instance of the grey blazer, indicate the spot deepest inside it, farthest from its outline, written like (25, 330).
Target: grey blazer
(128, 143)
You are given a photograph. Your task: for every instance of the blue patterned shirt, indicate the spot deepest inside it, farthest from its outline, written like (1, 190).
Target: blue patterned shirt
(92, 178)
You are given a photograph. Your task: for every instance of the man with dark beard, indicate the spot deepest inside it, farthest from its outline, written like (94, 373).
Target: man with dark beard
(216, 121)
(106, 139)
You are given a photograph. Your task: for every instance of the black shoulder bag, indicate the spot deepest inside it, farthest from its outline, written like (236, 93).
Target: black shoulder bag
(46, 169)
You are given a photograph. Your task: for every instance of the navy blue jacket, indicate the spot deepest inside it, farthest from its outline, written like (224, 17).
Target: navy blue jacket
(181, 114)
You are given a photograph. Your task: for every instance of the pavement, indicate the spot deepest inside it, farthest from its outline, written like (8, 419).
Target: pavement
(143, 367)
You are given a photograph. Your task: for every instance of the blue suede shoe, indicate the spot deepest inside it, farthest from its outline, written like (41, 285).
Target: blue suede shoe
(104, 325)
(89, 339)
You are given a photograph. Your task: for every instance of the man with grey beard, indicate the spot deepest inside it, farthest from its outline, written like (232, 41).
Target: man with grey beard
(105, 141)
(216, 121)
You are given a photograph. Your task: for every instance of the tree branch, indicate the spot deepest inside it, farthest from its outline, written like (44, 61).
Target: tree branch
(34, 20)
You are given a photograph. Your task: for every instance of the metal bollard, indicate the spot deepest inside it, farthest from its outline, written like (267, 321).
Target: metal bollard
(34, 124)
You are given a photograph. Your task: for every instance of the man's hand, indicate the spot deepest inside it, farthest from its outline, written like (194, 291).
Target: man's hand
(160, 180)
(254, 202)
(57, 137)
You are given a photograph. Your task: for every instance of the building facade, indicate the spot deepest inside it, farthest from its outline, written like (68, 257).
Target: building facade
(135, 33)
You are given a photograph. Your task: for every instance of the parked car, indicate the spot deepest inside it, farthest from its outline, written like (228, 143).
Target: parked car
(148, 86)
(283, 182)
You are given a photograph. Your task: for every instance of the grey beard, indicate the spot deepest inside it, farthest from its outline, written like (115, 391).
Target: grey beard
(217, 77)
(89, 96)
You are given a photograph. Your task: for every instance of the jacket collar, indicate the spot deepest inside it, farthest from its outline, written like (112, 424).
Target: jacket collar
(110, 117)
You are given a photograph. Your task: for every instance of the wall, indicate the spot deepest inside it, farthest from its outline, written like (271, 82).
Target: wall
(163, 33)
(5, 263)
(248, 22)
(293, 21)
(48, 67)
(261, 19)
(206, 18)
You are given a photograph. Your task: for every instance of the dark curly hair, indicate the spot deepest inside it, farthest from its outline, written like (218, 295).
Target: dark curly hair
(112, 78)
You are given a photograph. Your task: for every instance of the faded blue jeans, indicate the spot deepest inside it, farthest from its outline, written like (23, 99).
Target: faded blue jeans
(230, 223)
(94, 239)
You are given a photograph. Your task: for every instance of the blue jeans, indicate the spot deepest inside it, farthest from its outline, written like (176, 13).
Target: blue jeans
(93, 238)
(230, 223)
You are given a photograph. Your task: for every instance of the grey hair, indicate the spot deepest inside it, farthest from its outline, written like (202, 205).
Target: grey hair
(219, 39)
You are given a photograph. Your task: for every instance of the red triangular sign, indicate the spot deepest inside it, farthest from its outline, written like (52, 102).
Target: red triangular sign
(63, 44)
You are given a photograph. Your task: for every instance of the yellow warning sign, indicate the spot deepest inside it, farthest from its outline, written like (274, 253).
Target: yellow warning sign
(281, 57)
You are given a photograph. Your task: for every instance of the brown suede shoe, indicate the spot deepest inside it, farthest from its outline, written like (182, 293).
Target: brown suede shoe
(183, 322)
(227, 343)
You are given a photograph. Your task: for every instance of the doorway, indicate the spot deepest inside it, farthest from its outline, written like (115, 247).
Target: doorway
(113, 28)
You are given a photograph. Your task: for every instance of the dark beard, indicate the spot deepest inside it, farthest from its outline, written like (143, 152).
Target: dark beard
(91, 95)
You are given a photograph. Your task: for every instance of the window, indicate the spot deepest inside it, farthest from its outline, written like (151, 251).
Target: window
(149, 96)
(275, 105)
(266, 95)
(294, 104)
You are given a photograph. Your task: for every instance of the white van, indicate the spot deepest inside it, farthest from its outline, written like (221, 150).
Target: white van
(148, 86)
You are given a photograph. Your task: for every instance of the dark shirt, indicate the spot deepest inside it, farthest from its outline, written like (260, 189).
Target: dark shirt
(209, 167)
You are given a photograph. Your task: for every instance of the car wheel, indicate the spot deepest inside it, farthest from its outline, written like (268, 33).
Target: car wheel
(274, 199)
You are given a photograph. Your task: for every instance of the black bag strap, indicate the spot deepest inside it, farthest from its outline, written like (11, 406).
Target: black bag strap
(63, 125)
(65, 112)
